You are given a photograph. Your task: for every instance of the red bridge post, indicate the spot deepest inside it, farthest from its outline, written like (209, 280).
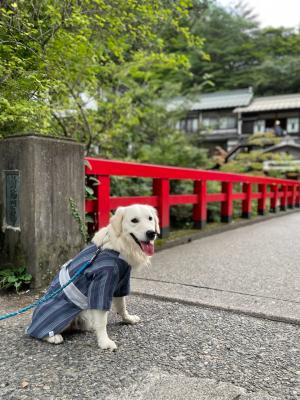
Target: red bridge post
(292, 197)
(103, 207)
(297, 201)
(247, 203)
(161, 189)
(274, 199)
(261, 204)
(227, 205)
(200, 208)
(283, 199)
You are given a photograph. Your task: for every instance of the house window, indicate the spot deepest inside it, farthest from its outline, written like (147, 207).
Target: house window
(259, 126)
(227, 123)
(182, 124)
(192, 124)
(210, 123)
(293, 125)
(215, 123)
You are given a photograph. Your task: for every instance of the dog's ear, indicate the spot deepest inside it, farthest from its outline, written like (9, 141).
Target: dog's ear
(116, 220)
(157, 229)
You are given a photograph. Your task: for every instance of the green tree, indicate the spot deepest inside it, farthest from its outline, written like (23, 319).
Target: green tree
(252, 162)
(279, 69)
(241, 54)
(227, 44)
(57, 57)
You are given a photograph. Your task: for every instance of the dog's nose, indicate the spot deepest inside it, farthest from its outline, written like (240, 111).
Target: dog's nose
(150, 235)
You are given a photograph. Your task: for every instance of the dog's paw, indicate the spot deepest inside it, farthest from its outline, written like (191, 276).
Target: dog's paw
(107, 344)
(56, 339)
(131, 319)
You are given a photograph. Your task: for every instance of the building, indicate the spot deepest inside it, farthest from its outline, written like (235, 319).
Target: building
(212, 115)
(290, 168)
(286, 146)
(226, 119)
(263, 112)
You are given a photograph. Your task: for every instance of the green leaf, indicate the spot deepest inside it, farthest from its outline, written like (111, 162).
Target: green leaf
(12, 279)
(89, 190)
(95, 181)
(15, 277)
(88, 219)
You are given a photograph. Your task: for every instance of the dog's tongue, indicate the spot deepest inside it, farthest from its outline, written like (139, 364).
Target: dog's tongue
(148, 248)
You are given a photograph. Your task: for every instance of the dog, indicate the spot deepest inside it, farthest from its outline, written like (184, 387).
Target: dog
(126, 243)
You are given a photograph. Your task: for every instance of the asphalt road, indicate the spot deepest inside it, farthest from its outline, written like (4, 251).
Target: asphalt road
(216, 354)
(253, 269)
(181, 350)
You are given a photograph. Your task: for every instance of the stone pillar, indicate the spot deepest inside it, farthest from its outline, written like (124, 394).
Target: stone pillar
(38, 176)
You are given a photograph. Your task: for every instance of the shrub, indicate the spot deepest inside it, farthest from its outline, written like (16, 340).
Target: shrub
(15, 278)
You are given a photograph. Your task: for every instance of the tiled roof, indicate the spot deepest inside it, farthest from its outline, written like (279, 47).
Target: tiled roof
(228, 99)
(213, 101)
(269, 103)
(286, 143)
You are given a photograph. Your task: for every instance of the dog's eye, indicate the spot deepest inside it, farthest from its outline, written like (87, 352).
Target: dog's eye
(150, 218)
(135, 220)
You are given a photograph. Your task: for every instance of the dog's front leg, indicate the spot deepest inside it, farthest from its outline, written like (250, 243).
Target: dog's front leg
(119, 304)
(99, 323)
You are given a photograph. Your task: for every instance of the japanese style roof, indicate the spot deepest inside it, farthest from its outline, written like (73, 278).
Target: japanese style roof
(284, 145)
(213, 101)
(272, 103)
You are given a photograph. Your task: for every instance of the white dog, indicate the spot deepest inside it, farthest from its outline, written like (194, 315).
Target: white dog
(127, 242)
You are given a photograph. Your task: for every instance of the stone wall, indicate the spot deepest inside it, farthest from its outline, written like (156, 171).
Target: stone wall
(37, 226)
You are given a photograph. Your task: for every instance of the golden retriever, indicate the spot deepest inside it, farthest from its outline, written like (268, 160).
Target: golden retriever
(131, 233)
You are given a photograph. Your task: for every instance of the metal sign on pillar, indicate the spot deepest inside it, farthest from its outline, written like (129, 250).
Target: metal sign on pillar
(11, 199)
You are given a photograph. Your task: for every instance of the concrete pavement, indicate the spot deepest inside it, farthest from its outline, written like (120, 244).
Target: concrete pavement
(159, 385)
(180, 351)
(177, 352)
(253, 270)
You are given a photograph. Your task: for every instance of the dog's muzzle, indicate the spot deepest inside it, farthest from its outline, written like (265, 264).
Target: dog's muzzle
(151, 235)
(146, 246)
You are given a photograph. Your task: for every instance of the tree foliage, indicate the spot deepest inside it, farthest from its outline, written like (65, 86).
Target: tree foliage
(252, 161)
(98, 71)
(243, 54)
(92, 70)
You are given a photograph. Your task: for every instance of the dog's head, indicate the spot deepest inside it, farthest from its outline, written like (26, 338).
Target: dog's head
(137, 223)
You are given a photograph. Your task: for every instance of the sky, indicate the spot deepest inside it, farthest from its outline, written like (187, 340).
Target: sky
(274, 12)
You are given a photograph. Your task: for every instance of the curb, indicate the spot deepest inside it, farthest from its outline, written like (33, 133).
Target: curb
(253, 314)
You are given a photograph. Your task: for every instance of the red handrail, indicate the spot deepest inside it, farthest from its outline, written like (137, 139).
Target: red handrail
(283, 191)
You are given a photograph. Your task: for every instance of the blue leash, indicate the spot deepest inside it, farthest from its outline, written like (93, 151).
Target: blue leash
(49, 296)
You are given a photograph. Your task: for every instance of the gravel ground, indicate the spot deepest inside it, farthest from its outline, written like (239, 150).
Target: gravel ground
(255, 354)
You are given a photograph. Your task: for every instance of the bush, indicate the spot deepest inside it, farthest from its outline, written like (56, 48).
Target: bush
(15, 278)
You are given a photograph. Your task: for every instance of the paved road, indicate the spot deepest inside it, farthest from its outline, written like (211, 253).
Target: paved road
(177, 352)
(181, 351)
(255, 269)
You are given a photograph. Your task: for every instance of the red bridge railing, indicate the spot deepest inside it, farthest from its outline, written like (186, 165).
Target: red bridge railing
(282, 193)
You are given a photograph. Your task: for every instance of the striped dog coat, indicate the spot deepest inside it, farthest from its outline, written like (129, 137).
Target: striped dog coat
(107, 277)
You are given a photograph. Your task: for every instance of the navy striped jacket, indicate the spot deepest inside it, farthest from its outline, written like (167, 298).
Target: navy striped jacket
(107, 277)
